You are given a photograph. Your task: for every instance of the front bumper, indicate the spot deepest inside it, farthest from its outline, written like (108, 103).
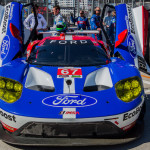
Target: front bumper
(22, 137)
(109, 130)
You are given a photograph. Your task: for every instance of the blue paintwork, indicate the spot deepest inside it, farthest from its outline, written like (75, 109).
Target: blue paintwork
(15, 19)
(30, 103)
(121, 25)
(103, 103)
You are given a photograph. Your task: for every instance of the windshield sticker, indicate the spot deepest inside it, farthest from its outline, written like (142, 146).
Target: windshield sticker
(68, 42)
(131, 46)
(69, 72)
(5, 47)
(73, 100)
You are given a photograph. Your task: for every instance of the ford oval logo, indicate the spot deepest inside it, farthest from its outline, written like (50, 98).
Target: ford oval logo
(132, 46)
(73, 100)
(5, 47)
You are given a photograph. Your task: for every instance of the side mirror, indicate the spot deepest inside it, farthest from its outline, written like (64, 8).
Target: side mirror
(15, 32)
(121, 37)
(31, 46)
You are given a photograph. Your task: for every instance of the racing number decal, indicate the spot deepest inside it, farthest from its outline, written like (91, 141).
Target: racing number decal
(69, 72)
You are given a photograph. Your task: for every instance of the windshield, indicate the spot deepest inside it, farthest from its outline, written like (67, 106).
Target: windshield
(68, 53)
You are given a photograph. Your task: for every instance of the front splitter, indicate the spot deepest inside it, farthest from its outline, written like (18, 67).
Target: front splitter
(132, 135)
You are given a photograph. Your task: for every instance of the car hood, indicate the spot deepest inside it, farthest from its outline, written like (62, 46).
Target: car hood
(51, 104)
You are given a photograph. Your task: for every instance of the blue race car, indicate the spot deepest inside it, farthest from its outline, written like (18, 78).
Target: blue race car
(68, 90)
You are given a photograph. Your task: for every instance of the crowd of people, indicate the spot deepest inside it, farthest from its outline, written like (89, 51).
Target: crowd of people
(82, 23)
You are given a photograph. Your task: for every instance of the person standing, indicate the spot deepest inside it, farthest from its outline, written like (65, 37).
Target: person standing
(82, 21)
(95, 23)
(107, 21)
(29, 23)
(58, 17)
(112, 29)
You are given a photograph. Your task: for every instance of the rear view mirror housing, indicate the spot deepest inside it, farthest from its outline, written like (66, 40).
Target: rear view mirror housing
(15, 32)
(121, 38)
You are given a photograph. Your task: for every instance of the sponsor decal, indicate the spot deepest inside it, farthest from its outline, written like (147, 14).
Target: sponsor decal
(5, 47)
(131, 46)
(63, 76)
(76, 76)
(6, 16)
(11, 12)
(142, 63)
(73, 100)
(92, 19)
(127, 23)
(69, 112)
(136, 111)
(131, 23)
(69, 72)
(9, 117)
(70, 42)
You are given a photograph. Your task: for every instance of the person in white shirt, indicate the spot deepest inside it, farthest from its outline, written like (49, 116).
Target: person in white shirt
(58, 17)
(29, 23)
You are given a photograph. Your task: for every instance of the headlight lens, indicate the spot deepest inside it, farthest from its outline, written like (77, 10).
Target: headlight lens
(10, 90)
(129, 89)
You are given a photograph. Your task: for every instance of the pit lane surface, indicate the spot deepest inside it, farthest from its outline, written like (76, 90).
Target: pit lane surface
(142, 143)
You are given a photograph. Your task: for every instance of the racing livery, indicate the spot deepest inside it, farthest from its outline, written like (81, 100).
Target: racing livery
(68, 90)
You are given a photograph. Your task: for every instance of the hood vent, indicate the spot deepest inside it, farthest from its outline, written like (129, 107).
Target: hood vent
(98, 80)
(39, 80)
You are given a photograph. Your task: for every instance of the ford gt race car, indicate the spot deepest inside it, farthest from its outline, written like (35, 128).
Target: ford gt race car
(68, 90)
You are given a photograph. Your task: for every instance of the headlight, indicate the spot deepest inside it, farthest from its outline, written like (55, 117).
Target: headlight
(10, 90)
(129, 89)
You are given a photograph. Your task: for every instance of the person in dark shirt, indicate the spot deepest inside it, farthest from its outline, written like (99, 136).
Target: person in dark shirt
(95, 23)
(112, 29)
(107, 21)
(82, 21)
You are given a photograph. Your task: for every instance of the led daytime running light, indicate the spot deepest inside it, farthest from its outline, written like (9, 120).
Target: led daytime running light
(129, 89)
(10, 90)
